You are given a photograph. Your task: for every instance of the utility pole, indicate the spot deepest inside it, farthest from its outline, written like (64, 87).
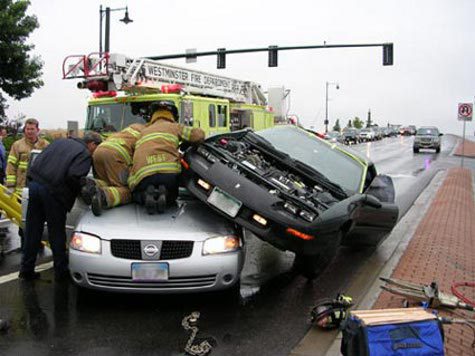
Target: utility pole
(326, 102)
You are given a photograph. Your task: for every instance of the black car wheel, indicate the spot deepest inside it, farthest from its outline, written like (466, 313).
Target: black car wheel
(310, 266)
(415, 149)
(437, 150)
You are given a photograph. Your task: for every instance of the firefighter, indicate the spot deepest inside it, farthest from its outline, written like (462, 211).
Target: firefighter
(20, 154)
(156, 163)
(54, 182)
(112, 161)
(19, 157)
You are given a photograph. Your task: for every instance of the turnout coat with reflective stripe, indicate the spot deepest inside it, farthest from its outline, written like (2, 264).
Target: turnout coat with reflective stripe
(18, 162)
(157, 149)
(123, 142)
(112, 161)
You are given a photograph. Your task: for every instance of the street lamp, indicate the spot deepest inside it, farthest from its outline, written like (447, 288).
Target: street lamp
(326, 102)
(107, 12)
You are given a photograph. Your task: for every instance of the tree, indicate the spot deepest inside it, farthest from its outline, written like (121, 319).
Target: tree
(357, 123)
(337, 125)
(19, 72)
(349, 123)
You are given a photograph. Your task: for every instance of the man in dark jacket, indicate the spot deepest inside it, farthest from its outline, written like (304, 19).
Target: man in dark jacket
(54, 183)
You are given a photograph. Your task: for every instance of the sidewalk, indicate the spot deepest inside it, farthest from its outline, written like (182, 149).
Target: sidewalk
(441, 249)
(466, 148)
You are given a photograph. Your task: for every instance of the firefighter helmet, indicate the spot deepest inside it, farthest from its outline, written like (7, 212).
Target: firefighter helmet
(329, 313)
(164, 105)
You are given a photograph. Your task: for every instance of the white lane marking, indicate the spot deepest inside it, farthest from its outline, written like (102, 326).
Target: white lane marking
(14, 275)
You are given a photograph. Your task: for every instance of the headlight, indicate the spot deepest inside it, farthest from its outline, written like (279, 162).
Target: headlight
(221, 244)
(85, 243)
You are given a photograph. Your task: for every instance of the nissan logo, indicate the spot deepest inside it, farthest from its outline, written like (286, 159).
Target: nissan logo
(150, 250)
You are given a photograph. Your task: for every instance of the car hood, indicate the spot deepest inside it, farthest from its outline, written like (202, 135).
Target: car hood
(189, 220)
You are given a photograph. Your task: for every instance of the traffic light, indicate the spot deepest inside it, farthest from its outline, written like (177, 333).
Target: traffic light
(221, 58)
(388, 54)
(273, 56)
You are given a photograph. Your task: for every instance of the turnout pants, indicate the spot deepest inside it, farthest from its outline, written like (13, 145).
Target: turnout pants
(111, 172)
(44, 207)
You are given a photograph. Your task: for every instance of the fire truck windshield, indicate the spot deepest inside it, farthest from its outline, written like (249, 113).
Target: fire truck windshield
(113, 117)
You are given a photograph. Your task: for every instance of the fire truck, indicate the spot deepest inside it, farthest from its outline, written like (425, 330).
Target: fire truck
(123, 88)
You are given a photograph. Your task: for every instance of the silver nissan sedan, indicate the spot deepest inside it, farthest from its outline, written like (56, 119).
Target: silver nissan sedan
(187, 249)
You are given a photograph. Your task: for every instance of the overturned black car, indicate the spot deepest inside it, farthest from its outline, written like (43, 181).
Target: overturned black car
(293, 190)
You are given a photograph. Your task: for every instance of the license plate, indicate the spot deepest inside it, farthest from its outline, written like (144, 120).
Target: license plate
(150, 271)
(224, 202)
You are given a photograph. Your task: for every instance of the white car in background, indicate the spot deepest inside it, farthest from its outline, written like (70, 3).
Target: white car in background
(367, 134)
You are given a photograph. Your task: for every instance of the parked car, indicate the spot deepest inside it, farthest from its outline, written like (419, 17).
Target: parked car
(189, 248)
(393, 131)
(378, 132)
(293, 190)
(407, 130)
(427, 137)
(332, 136)
(367, 135)
(349, 135)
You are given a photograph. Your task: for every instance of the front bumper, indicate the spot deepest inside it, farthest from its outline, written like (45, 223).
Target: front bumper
(426, 143)
(196, 273)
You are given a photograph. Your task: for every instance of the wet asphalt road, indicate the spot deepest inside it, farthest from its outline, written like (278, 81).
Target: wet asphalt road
(268, 317)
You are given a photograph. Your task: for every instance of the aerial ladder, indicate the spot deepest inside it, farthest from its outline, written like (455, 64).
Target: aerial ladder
(108, 73)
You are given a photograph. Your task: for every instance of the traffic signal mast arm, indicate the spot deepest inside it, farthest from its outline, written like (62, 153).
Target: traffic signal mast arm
(272, 51)
(115, 72)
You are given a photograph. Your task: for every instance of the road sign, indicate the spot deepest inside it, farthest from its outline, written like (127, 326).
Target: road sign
(465, 111)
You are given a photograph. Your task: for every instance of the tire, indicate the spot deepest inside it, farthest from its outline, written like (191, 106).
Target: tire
(415, 150)
(437, 150)
(310, 266)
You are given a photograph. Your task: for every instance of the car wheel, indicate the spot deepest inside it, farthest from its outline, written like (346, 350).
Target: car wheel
(310, 266)
(415, 150)
(437, 150)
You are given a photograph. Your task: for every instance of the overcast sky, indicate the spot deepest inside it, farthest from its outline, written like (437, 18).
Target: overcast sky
(434, 53)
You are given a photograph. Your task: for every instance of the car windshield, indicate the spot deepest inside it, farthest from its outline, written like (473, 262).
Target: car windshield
(337, 166)
(428, 132)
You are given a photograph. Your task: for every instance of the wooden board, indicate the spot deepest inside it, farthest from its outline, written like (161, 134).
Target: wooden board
(392, 316)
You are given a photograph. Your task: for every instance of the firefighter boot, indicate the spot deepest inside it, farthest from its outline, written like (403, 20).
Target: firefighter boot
(88, 189)
(149, 199)
(99, 202)
(161, 199)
